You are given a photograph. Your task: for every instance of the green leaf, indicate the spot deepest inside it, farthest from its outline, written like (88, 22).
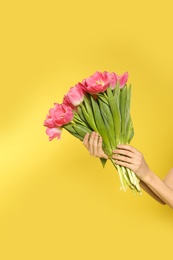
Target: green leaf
(77, 130)
(80, 114)
(114, 103)
(77, 119)
(71, 130)
(81, 130)
(103, 97)
(103, 161)
(100, 123)
(88, 115)
(130, 131)
(109, 122)
(124, 112)
(127, 126)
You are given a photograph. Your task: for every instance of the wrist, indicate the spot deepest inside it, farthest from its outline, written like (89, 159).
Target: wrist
(147, 178)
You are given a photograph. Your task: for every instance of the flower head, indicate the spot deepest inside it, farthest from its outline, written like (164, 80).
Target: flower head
(74, 96)
(53, 133)
(59, 115)
(98, 82)
(121, 80)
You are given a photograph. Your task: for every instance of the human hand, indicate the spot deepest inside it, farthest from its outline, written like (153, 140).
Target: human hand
(93, 142)
(128, 156)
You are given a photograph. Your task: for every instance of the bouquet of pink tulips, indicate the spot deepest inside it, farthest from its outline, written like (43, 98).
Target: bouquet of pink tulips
(100, 103)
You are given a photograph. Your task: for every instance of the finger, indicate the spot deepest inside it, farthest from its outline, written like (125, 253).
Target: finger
(122, 158)
(91, 143)
(86, 140)
(125, 164)
(95, 145)
(123, 152)
(100, 149)
(100, 143)
(128, 148)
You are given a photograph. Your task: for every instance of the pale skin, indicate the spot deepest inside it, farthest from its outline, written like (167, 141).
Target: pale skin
(128, 156)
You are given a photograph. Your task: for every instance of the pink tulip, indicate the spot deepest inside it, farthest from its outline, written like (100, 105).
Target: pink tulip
(53, 133)
(122, 80)
(114, 80)
(62, 114)
(98, 82)
(59, 115)
(49, 122)
(74, 96)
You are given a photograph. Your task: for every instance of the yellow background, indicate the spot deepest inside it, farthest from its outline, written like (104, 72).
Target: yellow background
(56, 201)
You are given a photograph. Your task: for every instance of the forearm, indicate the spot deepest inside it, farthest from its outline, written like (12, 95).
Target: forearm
(151, 193)
(158, 189)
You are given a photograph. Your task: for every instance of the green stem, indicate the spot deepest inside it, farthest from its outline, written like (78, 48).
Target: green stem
(127, 178)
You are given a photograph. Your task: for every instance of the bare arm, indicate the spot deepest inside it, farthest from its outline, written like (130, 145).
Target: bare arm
(161, 190)
(150, 192)
(125, 155)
